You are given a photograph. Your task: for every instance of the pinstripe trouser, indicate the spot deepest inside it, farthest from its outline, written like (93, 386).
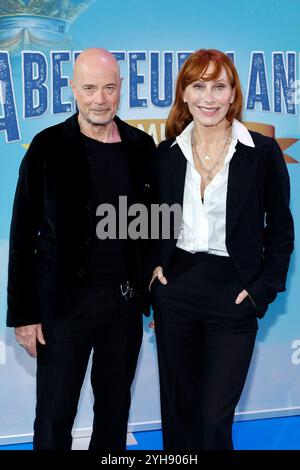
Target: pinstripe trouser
(103, 322)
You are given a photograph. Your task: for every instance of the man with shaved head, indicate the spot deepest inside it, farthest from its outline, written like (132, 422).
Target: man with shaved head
(69, 291)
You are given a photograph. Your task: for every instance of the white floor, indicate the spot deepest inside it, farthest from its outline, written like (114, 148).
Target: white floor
(82, 443)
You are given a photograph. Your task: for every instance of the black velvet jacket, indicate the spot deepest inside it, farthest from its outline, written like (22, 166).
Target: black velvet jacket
(52, 222)
(259, 225)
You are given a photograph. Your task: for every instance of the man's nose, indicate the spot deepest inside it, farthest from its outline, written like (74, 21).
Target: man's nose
(99, 97)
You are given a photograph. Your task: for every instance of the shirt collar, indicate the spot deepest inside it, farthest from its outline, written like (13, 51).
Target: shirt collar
(239, 132)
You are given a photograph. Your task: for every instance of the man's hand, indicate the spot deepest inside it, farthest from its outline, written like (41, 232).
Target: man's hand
(158, 273)
(28, 335)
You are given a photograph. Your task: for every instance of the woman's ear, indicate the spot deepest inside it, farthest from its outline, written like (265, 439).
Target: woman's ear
(232, 96)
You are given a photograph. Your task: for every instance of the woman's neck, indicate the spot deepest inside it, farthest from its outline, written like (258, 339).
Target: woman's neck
(210, 134)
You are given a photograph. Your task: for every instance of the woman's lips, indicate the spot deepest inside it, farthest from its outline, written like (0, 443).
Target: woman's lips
(208, 111)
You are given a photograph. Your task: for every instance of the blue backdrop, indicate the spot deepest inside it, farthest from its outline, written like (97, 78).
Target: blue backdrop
(39, 40)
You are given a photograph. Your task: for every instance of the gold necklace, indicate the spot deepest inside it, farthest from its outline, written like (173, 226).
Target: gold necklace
(209, 171)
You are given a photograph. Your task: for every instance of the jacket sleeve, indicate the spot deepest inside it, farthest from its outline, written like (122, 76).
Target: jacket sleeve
(278, 233)
(25, 225)
(162, 192)
(151, 198)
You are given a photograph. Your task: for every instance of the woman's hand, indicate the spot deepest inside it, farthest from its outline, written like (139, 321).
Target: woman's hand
(242, 295)
(158, 273)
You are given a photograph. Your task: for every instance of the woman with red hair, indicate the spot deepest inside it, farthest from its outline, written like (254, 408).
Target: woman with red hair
(228, 257)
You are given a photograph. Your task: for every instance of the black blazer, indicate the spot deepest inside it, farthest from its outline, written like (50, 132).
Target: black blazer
(52, 223)
(259, 225)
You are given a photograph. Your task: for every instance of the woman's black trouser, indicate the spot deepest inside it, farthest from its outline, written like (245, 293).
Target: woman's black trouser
(102, 321)
(205, 343)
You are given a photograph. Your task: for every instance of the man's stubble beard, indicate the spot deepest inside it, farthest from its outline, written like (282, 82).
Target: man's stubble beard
(99, 124)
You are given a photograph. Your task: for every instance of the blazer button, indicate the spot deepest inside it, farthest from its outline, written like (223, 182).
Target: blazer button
(81, 272)
(88, 240)
(89, 206)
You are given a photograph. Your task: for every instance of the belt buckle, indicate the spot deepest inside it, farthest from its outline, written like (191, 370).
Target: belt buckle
(126, 290)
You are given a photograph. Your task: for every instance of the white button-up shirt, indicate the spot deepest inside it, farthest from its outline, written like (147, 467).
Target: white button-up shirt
(204, 223)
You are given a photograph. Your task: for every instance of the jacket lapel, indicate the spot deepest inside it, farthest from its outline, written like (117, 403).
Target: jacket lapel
(133, 148)
(242, 170)
(178, 171)
(74, 171)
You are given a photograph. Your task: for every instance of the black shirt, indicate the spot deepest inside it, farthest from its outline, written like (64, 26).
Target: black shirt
(108, 165)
